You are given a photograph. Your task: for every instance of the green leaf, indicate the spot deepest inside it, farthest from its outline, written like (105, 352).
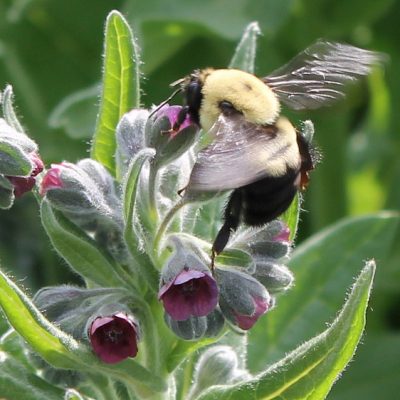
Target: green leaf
(310, 371)
(374, 371)
(120, 91)
(245, 53)
(79, 250)
(8, 109)
(323, 266)
(76, 113)
(39, 333)
(16, 382)
(291, 216)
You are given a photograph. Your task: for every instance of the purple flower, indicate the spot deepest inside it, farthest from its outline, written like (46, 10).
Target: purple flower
(245, 322)
(190, 293)
(243, 299)
(172, 113)
(114, 338)
(25, 184)
(52, 179)
(283, 235)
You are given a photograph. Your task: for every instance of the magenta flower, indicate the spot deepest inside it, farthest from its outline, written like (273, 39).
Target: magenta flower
(245, 322)
(25, 184)
(190, 293)
(114, 338)
(283, 235)
(172, 113)
(52, 179)
(243, 299)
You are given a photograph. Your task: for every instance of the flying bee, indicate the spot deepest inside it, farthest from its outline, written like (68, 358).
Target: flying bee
(255, 151)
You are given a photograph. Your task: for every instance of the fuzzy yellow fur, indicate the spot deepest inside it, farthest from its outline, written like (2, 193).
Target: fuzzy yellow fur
(246, 92)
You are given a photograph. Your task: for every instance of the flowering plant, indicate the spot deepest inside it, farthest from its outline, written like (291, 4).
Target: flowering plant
(153, 321)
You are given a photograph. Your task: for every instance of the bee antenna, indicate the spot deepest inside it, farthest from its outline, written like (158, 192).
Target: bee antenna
(165, 101)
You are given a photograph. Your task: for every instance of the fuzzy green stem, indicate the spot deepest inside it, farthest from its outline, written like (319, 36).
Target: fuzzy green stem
(164, 225)
(152, 194)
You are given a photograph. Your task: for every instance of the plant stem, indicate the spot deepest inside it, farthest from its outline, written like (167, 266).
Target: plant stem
(164, 225)
(152, 194)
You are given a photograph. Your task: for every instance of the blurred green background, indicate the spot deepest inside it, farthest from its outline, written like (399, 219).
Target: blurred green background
(50, 51)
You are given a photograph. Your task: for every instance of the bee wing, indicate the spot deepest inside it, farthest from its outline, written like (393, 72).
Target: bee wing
(317, 76)
(237, 156)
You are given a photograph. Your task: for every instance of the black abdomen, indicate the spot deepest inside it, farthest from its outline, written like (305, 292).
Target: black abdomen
(266, 199)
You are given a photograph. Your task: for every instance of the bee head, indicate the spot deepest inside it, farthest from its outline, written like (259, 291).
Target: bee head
(191, 87)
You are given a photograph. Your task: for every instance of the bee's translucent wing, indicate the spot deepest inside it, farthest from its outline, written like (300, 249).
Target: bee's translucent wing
(238, 155)
(317, 76)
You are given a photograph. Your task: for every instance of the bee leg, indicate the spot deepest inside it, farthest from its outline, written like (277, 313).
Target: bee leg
(232, 219)
(182, 190)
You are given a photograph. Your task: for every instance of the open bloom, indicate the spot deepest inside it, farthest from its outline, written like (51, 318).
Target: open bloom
(190, 293)
(114, 338)
(172, 113)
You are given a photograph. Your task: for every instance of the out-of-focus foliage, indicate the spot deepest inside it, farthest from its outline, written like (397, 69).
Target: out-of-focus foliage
(51, 53)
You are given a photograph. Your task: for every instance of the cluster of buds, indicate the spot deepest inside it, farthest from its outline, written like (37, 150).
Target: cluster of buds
(198, 302)
(19, 160)
(192, 296)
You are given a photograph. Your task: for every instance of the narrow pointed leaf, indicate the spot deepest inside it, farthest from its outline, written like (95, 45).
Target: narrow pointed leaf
(8, 109)
(323, 267)
(80, 251)
(43, 337)
(245, 52)
(291, 217)
(310, 371)
(120, 88)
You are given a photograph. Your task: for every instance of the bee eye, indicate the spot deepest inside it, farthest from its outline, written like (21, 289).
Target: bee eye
(227, 107)
(193, 94)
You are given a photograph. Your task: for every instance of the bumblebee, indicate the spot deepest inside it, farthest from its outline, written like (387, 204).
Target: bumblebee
(255, 151)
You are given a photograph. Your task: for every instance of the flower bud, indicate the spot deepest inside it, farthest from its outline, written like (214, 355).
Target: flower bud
(187, 288)
(194, 328)
(25, 184)
(130, 136)
(275, 277)
(70, 189)
(160, 134)
(270, 241)
(20, 139)
(218, 365)
(114, 338)
(242, 298)
(100, 176)
(6, 193)
(70, 307)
